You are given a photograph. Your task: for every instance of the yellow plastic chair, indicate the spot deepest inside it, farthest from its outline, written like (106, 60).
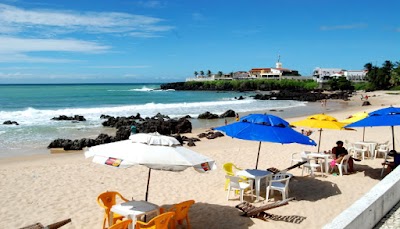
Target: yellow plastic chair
(106, 200)
(229, 170)
(181, 211)
(121, 224)
(158, 222)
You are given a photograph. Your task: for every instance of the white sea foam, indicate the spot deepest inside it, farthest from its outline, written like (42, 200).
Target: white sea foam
(32, 116)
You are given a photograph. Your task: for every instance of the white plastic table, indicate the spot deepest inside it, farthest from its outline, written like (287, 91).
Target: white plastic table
(323, 156)
(133, 210)
(371, 145)
(256, 175)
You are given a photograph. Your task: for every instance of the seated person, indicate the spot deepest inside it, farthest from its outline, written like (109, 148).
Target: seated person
(339, 152)
(392, 164)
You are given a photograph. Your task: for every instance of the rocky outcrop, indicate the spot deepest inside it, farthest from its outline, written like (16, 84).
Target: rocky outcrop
(9, 122)
(228, 114)
(208, 115)
(159, 123)
(79, 118)
(312, 96)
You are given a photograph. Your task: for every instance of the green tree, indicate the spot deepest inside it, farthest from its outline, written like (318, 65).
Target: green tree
(220, 74)
(202, 73)
(208, 73)
(195, 74)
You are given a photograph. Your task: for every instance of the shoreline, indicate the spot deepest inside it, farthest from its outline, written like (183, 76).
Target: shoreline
(45, 184)
(197, 125)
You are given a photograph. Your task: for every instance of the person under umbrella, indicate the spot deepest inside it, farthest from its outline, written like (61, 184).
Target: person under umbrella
(264, 128)
(389, 116)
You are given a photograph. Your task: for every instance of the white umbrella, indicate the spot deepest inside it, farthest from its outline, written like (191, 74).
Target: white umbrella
(154, 151)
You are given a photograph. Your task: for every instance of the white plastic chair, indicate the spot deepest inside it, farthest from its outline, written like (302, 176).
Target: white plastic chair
(237, 183)
(359, 149)
(279, 182)
(384, 165)
(311, 167)
(296, 158)
(343, 165)
(382, 149)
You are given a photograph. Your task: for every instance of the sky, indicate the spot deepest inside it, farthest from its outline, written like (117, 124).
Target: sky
(128, 41)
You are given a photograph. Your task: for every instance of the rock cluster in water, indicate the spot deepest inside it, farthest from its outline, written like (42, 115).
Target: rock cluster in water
(9, 122)
(79, 118)
(300, 95)
(159, 123)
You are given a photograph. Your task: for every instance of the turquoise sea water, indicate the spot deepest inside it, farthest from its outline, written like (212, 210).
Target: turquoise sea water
(33, 106)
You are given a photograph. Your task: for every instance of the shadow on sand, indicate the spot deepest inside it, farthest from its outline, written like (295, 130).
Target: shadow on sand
(374, 173)
(205, 215)
(311, 189)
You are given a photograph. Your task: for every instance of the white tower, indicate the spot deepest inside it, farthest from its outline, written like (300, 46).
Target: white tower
(278, 64)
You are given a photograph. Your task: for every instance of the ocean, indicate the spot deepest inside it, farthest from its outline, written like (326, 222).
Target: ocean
(33, 107)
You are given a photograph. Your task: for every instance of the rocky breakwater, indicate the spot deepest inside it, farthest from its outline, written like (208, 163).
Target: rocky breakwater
(310, 96)
(159, 123)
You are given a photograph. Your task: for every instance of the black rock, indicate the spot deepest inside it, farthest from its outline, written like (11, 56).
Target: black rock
(228, 113)
(208, 115)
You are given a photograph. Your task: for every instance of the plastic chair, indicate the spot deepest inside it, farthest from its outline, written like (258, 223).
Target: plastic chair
(158, 222)
(237, 183)
(359, 149)
(309, 165)
(384, 164)
(279, 182)
(121, 224)
(181, 211)
(229, 169)
(106, 200)
(383, 149)
(343, 165)
(295, 158)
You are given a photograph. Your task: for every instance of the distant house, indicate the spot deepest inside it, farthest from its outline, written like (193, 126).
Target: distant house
(323, 75)
(274, 73)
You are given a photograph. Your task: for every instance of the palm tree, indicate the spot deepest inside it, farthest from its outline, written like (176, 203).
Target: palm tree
(195, 74)
(202, 73)
(220, 74)
(208, 73)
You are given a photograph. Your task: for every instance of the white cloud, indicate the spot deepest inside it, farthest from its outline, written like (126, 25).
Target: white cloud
(150, 4)
(342, 27)
(14, 75)
(21, 45)
(14, 49)
(198, 17)
(120, 67)
(17, 20)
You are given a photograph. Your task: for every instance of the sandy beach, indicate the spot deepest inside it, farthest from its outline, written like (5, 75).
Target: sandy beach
(49, 188)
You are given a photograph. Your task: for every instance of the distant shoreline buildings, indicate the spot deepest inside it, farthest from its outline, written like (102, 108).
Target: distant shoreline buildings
(320, 75)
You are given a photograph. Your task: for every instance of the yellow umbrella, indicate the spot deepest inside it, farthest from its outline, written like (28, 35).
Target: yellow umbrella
(321, 121)
(356, 117)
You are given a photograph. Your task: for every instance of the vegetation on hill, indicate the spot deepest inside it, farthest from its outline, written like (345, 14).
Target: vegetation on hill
(243, 85)
(378, 78)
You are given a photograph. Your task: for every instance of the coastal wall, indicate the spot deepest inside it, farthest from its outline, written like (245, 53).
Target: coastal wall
(367, 211)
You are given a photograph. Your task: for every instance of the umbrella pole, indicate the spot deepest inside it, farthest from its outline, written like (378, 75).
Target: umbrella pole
(363, 132)
(319, 140)
(393, 137)
(148, 182)
(258, 154)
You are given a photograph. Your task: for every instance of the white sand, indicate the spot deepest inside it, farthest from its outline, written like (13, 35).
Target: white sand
(50, 188)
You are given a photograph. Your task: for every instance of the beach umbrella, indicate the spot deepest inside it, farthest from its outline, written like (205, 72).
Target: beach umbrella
(389, 116)
(152, 150)
(356, 117)
(264, 128)
(320, 121)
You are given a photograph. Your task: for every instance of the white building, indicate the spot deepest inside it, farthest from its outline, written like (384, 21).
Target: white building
(323, 75)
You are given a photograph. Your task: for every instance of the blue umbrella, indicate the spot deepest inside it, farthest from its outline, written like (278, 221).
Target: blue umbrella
(389, 116)
(264, 128)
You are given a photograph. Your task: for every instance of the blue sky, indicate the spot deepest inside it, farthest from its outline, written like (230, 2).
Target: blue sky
(64, 41)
